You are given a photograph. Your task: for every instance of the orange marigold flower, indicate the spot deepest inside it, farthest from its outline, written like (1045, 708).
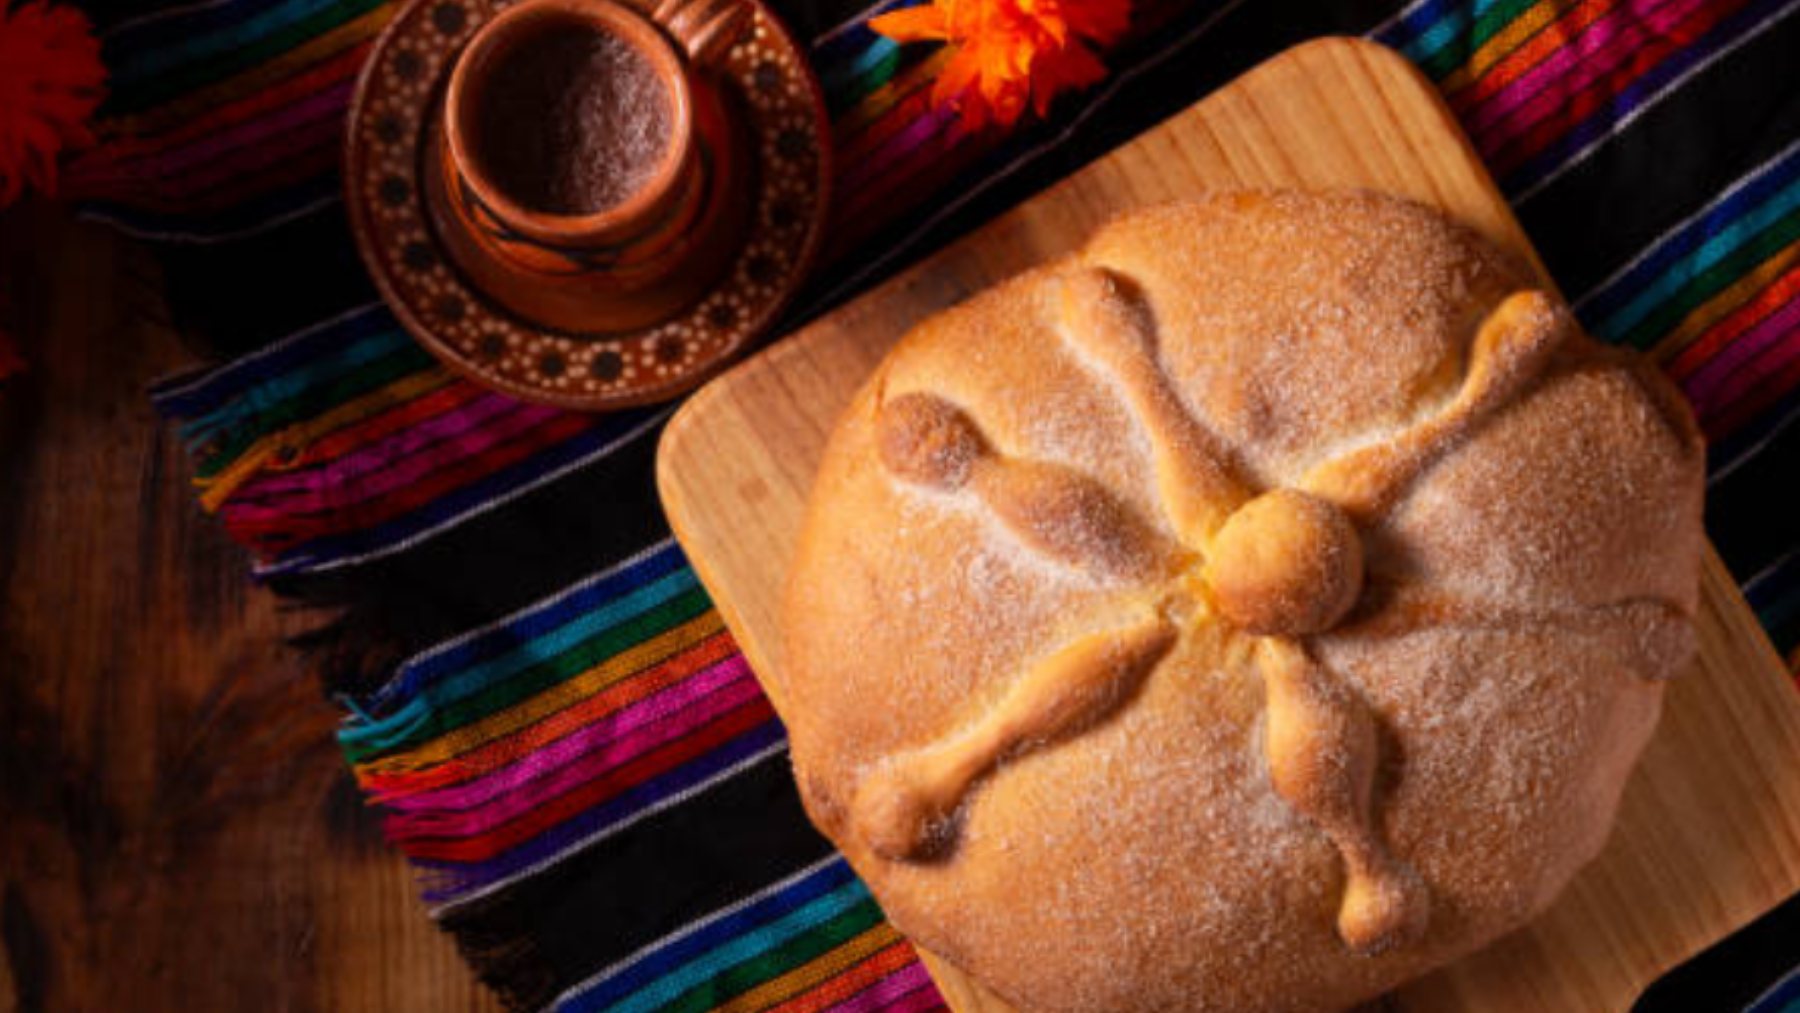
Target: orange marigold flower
(1011, 53)
(50, 82)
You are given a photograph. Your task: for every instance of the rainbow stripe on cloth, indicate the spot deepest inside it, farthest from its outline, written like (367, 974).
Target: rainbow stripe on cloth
(557, 728)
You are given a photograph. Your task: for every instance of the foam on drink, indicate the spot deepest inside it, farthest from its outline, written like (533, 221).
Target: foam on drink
(576, 121)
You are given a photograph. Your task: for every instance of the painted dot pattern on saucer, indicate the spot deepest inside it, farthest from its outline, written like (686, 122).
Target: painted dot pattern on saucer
(397, 94)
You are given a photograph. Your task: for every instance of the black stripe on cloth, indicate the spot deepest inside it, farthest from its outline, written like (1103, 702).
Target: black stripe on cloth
(1674, 158)
(535, 938)
(232, 298)
(487, 566)
(1750, 512)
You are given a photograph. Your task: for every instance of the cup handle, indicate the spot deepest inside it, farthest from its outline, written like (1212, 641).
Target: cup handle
(705, 28)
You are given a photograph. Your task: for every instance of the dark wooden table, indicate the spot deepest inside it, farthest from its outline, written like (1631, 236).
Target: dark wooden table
(177, 831)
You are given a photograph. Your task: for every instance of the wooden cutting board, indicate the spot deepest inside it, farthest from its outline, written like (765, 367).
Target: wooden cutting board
(1709, 832)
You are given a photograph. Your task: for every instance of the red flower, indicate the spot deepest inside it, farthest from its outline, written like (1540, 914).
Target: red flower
(1011, 52)
(50, 81)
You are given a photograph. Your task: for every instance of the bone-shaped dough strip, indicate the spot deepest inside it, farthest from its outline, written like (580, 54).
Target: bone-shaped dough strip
(1322, 751)
(1060, 513)
(1510, 350)
(904, 809)
(1116, 334)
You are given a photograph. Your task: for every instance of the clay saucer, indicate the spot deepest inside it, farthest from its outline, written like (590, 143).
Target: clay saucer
(392, 116)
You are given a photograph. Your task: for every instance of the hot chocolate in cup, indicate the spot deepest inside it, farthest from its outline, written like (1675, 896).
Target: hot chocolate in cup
(573, 122)
(570, 152)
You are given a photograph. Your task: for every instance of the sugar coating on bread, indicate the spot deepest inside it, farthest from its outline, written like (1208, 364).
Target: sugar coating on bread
(1252, 611)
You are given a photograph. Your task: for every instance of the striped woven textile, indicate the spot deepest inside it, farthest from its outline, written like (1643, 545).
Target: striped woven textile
(556, 726)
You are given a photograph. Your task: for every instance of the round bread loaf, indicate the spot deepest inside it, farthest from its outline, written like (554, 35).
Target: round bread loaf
(1252, 611)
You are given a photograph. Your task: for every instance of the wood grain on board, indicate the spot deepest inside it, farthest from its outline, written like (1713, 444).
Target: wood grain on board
(1709, 832)
(177, 830)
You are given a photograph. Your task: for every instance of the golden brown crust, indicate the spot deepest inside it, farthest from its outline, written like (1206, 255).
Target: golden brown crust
(1251, 612)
